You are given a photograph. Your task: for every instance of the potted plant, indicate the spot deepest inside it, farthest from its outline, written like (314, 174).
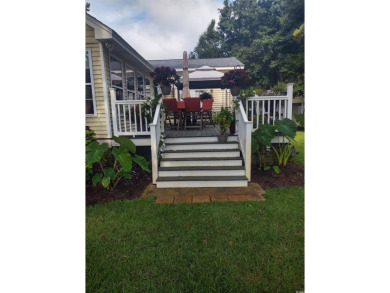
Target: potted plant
(224, 119)
(205, 96)
(235, 79)
(164, 76)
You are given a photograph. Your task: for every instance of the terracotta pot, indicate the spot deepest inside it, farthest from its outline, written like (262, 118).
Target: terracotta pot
(166, 90)
(235, 91)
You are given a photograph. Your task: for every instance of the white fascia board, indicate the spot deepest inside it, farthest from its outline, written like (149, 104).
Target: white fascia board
(133, 53)
(102, 32)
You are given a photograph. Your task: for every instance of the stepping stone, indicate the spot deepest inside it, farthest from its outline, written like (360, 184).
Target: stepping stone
(201, 198)
(183, 199)
(235, 197)
(165, 199)
(219, 197)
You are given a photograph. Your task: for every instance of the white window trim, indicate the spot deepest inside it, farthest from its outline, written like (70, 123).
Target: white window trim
(135, 81)
(92, 84)
(143, 81)
(120, 61)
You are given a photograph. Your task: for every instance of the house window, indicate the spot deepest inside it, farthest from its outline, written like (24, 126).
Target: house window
(90, 102)
(140, 86)
(130, 82)
(116, 77)
(148, 88)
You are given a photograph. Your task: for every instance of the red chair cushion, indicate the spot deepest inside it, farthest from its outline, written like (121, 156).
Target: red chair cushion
(192, 104)
(207, 105)
(171, 105)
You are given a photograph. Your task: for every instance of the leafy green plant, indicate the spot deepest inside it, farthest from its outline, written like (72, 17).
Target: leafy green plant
(279, 87)
(124, 155)
(224, 118)
(149, 107)
(288, 129)
(300, 118)
(90, 135)
(261, 139)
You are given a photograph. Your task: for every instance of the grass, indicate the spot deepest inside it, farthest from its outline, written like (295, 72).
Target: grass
(300, 147)
(139, 246)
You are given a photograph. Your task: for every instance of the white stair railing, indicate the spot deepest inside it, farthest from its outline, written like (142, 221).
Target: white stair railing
(156, 127)
(267, 109)
(245, 138)
(127, 116)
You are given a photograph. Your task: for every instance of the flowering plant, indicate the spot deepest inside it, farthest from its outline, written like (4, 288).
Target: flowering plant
(164, 76)
(235, 77)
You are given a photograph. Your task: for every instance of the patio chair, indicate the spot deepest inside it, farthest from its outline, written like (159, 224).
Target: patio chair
(192, 111)
(172, 112)
(207, 113)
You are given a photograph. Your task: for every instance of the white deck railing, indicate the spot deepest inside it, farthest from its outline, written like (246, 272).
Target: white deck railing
(156, 127)
(127, 117)
(267, 109)
(245, 138)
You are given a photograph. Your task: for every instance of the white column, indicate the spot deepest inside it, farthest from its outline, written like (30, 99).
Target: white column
(113, 108)
(289, 99)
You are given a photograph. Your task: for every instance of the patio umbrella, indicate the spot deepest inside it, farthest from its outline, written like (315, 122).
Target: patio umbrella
(203, 78)
(186, 83)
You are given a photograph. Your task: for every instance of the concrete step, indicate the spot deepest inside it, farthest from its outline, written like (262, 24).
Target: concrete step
(201, 171)
(234, 153)
(200, 146)
(207, 161)
(202, 181)
(195, 139)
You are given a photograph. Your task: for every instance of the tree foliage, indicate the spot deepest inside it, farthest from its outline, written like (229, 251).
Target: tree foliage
(267, 36)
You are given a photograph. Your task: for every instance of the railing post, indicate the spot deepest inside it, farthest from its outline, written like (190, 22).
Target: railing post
(290, 87)
(113, 109)
(153, 147)
(248, 151)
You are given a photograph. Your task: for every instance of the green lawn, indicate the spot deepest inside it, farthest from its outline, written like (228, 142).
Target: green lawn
(139, 246)
(300, 147)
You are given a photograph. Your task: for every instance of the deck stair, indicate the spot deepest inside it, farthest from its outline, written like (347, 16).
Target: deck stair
(201, 162)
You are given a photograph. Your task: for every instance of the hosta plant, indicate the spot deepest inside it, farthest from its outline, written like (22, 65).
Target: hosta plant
(124, 155)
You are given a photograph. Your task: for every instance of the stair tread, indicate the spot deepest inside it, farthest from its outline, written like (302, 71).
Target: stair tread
(198, 136)
(201, 178)
(200, 143)
(200, 168)
(201, 151)
(201, 159)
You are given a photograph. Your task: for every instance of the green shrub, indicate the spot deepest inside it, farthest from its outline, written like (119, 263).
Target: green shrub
(224, 118)
(90, 135)
(300, 118)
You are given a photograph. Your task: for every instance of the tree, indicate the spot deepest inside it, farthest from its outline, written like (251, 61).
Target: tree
(260, 33)
(209, 44)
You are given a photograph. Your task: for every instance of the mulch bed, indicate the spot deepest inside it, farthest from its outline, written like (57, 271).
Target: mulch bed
(291, 175)
(126, 189)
